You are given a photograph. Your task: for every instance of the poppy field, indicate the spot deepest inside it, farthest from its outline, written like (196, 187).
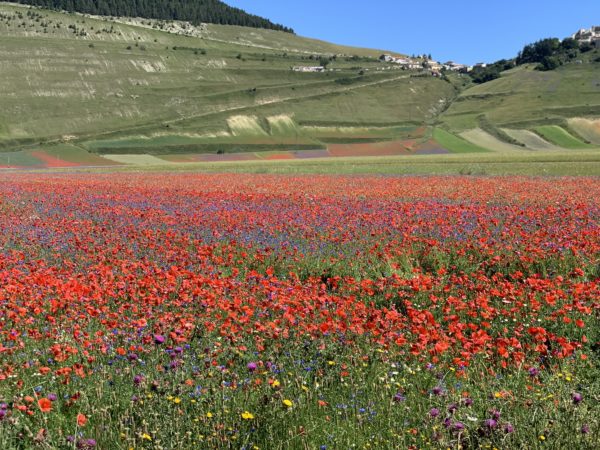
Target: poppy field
(249, 311)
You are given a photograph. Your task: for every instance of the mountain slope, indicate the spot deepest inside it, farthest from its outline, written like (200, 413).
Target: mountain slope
(525, 97)
(73, 83)
(90, 80)
(194, 11)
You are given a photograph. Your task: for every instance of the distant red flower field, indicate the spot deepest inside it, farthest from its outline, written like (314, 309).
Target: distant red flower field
(250, 308)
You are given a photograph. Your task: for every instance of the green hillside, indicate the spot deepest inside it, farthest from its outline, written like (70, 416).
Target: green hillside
(130, 86)
(524, 97)
(105, 83)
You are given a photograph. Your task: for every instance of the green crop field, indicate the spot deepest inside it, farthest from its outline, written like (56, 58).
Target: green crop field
(540, 163)
(456, 144)
(560, 137)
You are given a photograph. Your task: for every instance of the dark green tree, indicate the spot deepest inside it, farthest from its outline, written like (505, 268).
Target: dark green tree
(194, 11)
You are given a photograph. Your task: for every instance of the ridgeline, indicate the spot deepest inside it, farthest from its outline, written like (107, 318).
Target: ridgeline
(194, 11)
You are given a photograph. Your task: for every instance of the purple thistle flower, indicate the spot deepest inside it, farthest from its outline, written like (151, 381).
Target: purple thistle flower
(452, 408)
(495, 414)
(437, 391)
(458, 426)
(577, 397)
(490, 423)
(251, 366)
(434, 412)
(159, 339)
(533, 372)
(468, 401)
(508, 428)
(399, 397)
(585, 429)
(86, 443)
(137, 380)
(2, 414)
(52, 397)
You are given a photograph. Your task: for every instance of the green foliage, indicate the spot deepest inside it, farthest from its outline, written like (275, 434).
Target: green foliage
(485, 74)
(549, 63)
(569, 44)
(586, 47)
(539, 50)
(551, 53)
(481, 75)
(324, 62)
(198, 11)
(345, 81)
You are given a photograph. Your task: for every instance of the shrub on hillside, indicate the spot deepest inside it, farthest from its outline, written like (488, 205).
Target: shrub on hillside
(549, 63)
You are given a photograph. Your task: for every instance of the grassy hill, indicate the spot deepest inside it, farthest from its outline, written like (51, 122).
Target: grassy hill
(89, 80)
(74, 84)
(525, 100)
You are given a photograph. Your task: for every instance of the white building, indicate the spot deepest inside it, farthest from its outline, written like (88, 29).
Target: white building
(588, 35)
(407, 63)
(455, 67)
(308, 69)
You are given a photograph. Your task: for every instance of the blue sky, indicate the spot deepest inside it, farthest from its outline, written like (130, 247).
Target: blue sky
(466, 31)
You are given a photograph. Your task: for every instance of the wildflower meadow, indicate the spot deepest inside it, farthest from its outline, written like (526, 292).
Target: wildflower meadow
(193, 311)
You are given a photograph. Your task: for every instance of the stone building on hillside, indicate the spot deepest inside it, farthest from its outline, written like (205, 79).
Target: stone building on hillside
(591, 35)
(313, 69)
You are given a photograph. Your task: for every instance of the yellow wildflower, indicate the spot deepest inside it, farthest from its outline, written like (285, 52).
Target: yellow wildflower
(247, 415)
(288, 403)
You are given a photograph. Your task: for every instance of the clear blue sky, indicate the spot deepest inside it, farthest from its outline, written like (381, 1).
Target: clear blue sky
(466, 31)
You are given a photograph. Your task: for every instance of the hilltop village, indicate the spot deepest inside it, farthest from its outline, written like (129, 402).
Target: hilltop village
(589, 35)
(424, 64)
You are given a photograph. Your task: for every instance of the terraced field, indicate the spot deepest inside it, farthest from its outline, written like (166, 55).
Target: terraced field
(483, 139)
(560, 137)
(530, 139)
(587, 128)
